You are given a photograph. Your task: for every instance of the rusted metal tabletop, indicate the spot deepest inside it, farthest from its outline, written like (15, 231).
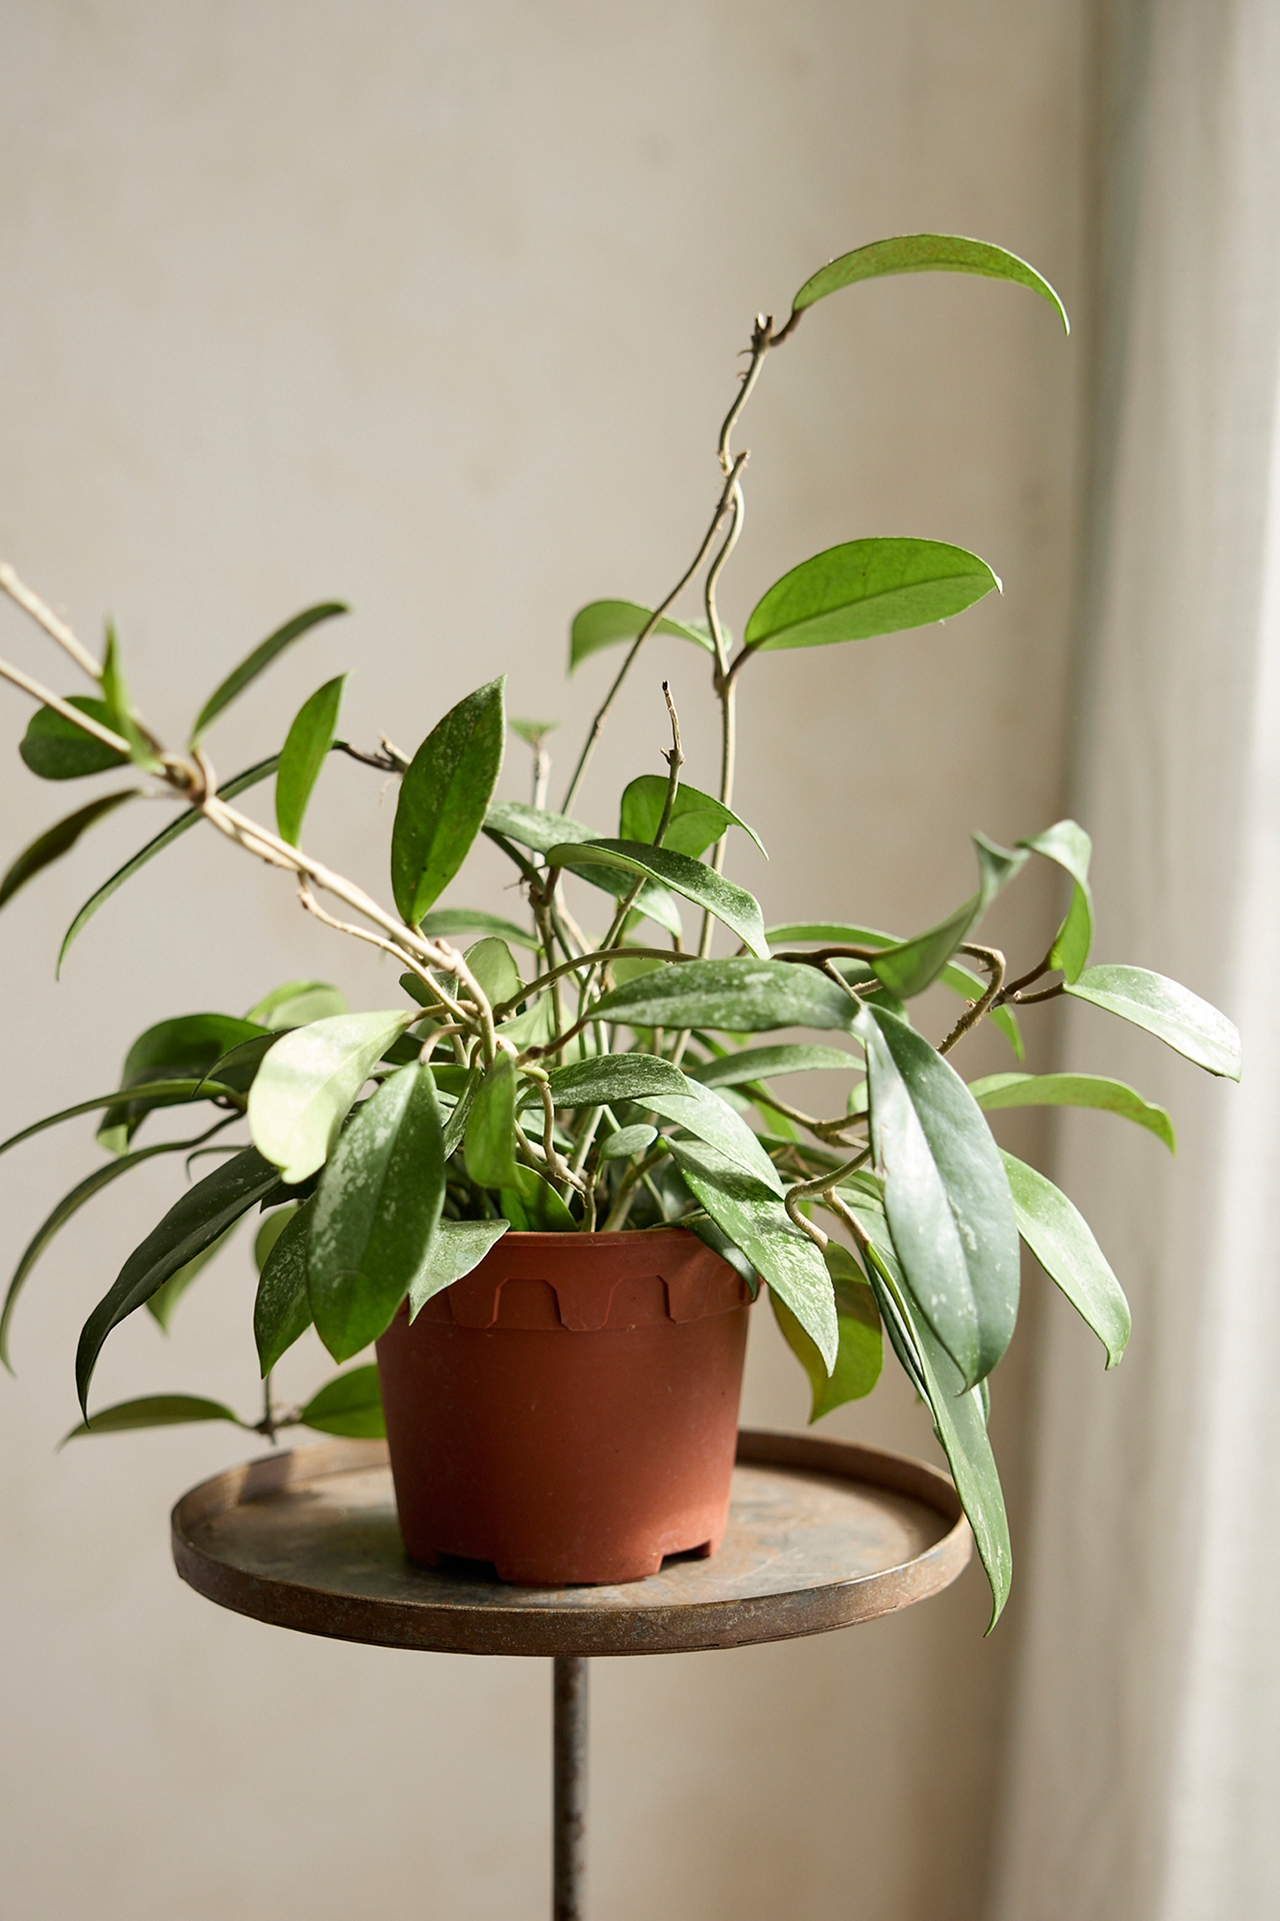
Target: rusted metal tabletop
(822, 1534)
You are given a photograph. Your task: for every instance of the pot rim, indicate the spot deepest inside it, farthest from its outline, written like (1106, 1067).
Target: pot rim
(630, 1235)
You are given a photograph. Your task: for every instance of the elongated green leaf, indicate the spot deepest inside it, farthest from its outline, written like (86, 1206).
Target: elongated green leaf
(306, 1084)
(490, 1137)
(697, 821)
(308, 741)
(535, 828)
(763, 1063)
(448, 921)
(607, 1078)
(604, 623)
(56, 749)
(350, 1404)
(628, 1141)
(282, 1306)
(443, 799)
(1063, 1242)
(959, 1421)
(867, 587)
(492, 963)
(120, 715)
(861, 1350)
(756, 1222)
(739, 910)
(454, 1249)
(185, 821)
(1072, 1090)
(191, 1046)
(297, 1004)
(946, 1195)
(191, 1224)
(71, 1204)
(704, 1114)
(735, 996)
(1166, 1009)
(261, 658)
(455, 1126)
(375, 1212)
(57, 841)
(925, 253)
(1069, 845)
(912, 965)
(154, 1410)
(158, 1093)
(163, 1303)
(532, 1206)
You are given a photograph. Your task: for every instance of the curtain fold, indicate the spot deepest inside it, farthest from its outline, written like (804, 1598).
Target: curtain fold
(1144, 1770)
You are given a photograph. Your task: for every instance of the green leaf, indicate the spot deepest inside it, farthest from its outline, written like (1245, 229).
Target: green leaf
(739, 910)
(350, 1404)
(535, 828)
(57, 841)
(158, 1093)
(910, 966)
(1171, 1012)
(282, 1306)
(697, 821)
(1062, 1241)
(190, 1046)
(164, 1301)
(443, 799)
(455, 1126)
(603, 623)
(946, 1196)
(454, 1249)
(154, 1410)
(56, 749)
(308, 741)
(1069, 845)
(626, 1142)
(191, 1224)
(489, 1143)
(120, 717)
(260, 659)
(375, 1212)
(297, 1004)
(306, 1084)
(925, 253)
(704, 1114)
(534, 732)
(533, 1207)
(185, 821)
(606, 1078)
(867, 587)
(757, 1223)
(735, 996)
(1072, 1090)
(763, 1063)
(492, 963)
(448, 921)
(861, 1350)
(71, 1204)
(959, 1421)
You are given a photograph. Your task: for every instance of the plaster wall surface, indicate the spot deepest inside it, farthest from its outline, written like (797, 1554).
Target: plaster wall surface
(436, 310)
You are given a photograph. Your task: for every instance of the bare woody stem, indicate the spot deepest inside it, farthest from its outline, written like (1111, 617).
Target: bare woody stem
(992, 960)
(45, 617)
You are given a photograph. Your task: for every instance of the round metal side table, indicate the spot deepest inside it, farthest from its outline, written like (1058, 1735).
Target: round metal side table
(822, 1534)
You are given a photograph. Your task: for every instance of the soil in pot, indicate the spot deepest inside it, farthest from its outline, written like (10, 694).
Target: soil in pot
(569, 1410)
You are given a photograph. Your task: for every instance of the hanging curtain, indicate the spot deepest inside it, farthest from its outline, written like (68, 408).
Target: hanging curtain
(1144, 1750)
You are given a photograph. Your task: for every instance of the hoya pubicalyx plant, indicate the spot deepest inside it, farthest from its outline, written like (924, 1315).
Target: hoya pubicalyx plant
(611, 1061)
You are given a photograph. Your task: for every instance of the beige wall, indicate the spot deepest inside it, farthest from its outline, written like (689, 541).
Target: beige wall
(436, 309)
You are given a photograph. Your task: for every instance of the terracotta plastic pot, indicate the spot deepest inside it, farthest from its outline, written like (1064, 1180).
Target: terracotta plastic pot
(569, 1411)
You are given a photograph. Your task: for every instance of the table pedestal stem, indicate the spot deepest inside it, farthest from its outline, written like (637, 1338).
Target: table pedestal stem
(570, 1770)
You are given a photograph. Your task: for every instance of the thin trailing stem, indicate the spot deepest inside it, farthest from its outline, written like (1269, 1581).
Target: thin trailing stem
(992, 960)
(44, 617)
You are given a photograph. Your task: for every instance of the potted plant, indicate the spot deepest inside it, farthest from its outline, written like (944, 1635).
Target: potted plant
(550, 1180)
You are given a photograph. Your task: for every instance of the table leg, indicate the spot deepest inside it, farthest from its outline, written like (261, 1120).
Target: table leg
(570, 1769)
